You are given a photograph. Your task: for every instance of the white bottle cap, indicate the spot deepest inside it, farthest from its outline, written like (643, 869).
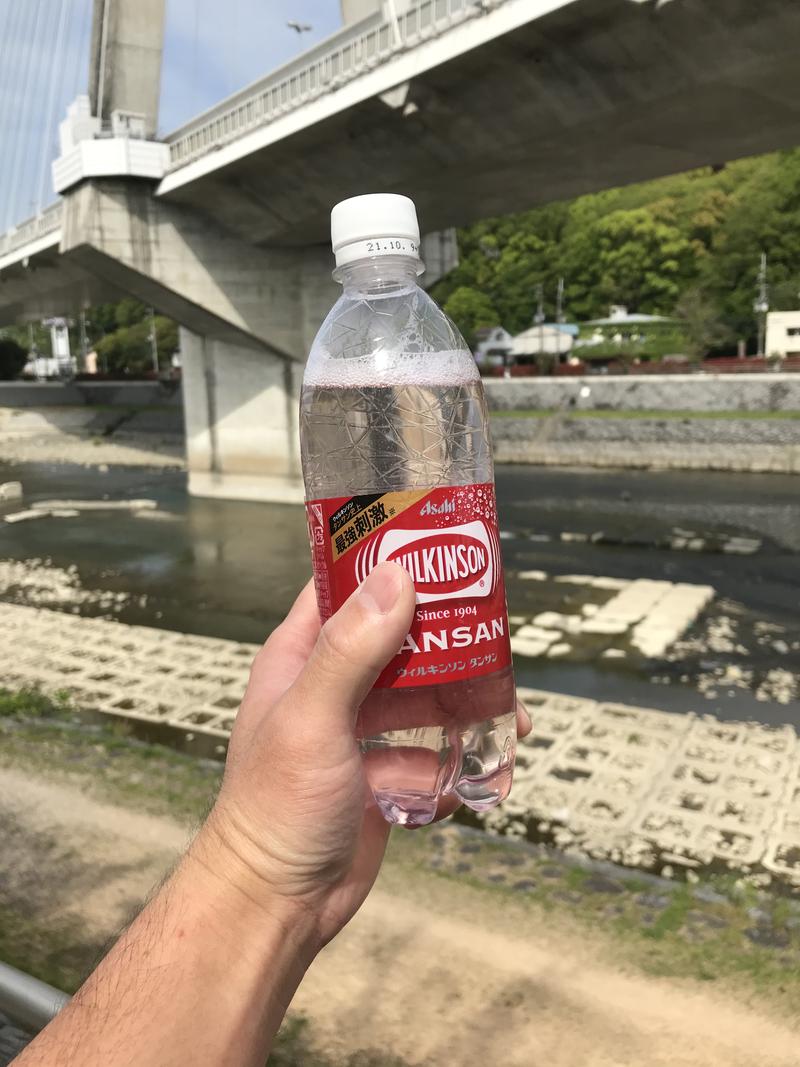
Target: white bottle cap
(377, 224)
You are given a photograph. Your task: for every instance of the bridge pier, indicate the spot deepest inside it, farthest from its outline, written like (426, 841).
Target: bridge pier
(240, 407)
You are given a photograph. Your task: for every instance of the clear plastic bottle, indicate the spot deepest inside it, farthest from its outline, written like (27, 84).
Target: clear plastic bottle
(397, 465)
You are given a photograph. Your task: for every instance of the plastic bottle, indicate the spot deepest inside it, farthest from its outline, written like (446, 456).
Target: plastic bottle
(397, 466)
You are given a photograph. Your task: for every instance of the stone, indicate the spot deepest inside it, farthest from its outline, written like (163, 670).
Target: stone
(11, 491)
(610, 583)
(524, 885)
(567, 896)
(708, 896)
(598, 625)
(613, 653)
(743, 546)
(537, 633)
(533, 576)
(552, 620)
(561, 649)
(523, 647)
(706, 920)
(26, 516)
(511, 860)
(96, 505)
(497, 878)
(462, 868)
(549, 871)
(653, 901)
(470, 847)
(768, 937)
(588, 610)
(601, 883)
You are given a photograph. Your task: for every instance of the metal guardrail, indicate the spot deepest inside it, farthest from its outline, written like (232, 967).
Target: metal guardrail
(28, 1003)
(351, 55)
(347, 59)
(29, 230)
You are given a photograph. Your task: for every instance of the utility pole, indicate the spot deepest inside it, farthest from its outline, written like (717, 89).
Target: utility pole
(761, 305)
(153, 340)
(559, 314)
(539, 316)
(84, 343)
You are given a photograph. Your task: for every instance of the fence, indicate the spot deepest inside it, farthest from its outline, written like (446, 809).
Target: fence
(48, 222)
(349, 56)
(747, 365)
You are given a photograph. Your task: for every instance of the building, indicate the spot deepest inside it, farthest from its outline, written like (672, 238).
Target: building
(545, 339)
(630, 334)
(493, 346)
(783, 334)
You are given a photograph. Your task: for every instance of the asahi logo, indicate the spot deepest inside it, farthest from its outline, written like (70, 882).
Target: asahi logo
(447, 507)
(448, 564)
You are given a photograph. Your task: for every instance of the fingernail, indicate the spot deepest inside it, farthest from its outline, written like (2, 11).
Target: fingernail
(381, 588)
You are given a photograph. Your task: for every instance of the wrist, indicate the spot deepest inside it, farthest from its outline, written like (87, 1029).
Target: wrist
(242, 899)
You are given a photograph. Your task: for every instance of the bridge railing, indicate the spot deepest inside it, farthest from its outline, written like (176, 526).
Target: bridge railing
(39, 226)
(347, 59)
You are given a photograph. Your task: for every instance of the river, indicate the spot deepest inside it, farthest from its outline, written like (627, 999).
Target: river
(231, 569)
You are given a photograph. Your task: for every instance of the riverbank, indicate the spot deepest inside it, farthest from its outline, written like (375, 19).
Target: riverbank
(649, 440)
(473, 936)
(112, 435)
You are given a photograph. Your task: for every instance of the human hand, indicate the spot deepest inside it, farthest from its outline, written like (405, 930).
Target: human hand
(295, 826)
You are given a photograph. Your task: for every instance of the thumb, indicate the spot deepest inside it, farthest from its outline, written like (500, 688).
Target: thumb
(355, 645)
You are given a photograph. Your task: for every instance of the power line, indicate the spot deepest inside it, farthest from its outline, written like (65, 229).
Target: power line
(56, 75)
(22, 114)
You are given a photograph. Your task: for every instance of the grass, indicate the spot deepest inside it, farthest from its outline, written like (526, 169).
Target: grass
(51, 737)
(602, 413)
(684, 939)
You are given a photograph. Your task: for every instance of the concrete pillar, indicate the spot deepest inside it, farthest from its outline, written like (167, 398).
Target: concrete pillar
(241, 412)
(125, 59)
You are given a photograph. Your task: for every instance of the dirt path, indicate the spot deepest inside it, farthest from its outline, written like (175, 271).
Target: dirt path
(427, 971)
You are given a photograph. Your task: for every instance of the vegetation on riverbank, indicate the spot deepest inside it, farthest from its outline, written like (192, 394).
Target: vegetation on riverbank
(602, 413)
(708, 929)
(688, 245)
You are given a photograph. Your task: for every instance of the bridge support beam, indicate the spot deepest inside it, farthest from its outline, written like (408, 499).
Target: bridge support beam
(248, 316)
(241, 421)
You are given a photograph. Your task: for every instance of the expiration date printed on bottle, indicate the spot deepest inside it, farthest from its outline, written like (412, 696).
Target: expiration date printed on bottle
(447, 540)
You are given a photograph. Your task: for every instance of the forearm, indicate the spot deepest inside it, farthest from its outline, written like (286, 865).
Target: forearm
(204, 975)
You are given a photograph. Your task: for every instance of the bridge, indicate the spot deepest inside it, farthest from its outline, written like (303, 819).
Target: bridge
(472, 107)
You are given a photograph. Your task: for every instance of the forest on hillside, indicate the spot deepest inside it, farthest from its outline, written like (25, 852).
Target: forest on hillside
(687, 245)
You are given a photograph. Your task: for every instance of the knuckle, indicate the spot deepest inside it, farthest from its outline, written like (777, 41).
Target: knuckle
(337, 646)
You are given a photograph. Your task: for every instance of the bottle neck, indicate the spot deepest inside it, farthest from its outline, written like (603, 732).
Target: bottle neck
(379, 275)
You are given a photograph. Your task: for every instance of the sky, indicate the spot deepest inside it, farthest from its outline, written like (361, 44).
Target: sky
(211, 49)
(214, 47)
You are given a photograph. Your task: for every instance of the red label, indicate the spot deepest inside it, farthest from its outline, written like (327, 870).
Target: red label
(447, 540)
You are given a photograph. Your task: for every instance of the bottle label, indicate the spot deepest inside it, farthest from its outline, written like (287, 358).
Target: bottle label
(447, 540)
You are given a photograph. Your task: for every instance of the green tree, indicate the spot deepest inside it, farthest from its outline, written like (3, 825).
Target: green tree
(470, 309)
(763, 215)
(13, 358)
(628, 257)
(129, 350)
(703, 326)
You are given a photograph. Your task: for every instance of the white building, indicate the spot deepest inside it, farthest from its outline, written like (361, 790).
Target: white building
(783, 333)
(493, 346)
(547, 338)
